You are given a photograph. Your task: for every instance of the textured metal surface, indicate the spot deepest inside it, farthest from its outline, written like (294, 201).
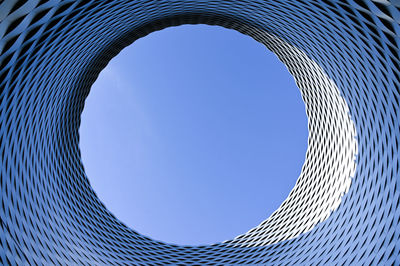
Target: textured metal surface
(344, 56)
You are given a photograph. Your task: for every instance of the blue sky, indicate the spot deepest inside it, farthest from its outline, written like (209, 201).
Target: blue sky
(193, 134)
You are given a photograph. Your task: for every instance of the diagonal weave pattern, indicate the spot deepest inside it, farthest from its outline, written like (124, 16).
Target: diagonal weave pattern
(344, 56)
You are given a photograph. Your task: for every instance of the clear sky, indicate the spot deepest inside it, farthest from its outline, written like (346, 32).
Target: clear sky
(193, 134)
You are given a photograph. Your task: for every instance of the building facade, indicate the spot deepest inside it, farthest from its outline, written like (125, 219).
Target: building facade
(344, 56)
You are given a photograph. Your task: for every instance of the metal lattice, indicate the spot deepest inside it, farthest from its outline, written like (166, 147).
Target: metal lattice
(344, 56)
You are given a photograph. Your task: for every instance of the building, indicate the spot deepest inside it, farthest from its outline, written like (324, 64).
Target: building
(344, 56)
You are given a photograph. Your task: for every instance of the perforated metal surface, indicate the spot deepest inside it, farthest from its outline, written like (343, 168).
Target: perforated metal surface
(344, 56)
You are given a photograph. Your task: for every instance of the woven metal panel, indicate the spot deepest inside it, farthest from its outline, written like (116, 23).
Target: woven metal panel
(344, 56)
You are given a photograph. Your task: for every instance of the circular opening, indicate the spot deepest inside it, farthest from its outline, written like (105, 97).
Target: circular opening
(193, 134)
